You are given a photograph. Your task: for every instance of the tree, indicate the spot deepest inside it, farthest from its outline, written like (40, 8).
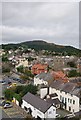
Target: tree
(4, 58)
(24, 77)
(29, 88)
(30, 59)
(5, 70)
(71, 64)
(18, 89)
(9, 94)
(20, 69)
(18, 97)
(73, 73)
(28, 73)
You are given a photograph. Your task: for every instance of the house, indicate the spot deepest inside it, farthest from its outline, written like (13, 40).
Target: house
(55, 102)
(2, 52)
(43, 78)
(50, 97)
(59, 75)
(68, 94)
(39, 68)
(38, 107)
(22, 62)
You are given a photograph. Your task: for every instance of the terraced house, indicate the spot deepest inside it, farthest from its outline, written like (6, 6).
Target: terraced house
(67, 93)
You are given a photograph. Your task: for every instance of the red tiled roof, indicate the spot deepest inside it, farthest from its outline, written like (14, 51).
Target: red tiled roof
(38, 68)
(59, 75)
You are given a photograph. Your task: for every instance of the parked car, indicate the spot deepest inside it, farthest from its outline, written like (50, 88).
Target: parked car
(3, 103)
(9, 83)
(7, 106)
(22, 82)
(2, 81)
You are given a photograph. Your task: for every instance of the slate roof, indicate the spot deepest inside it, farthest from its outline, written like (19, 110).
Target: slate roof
(69, 87)
(53, 101)
(57, 84)
(38, 103)
(53, 95)
(45, 76)
(77, 92)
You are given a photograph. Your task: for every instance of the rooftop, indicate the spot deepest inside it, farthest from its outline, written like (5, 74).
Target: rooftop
(37, 102)
(57, 84)
(45, 76)
(68, 87)
(53, 95)
(53, 101)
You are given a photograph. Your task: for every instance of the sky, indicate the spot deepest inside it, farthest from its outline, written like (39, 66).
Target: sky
(54, 22)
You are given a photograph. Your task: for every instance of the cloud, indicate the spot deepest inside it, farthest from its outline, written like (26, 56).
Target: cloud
(54, 22)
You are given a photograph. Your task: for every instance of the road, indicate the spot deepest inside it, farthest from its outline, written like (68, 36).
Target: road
(3, 115)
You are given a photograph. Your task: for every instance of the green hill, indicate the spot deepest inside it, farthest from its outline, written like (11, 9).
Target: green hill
(42, 45)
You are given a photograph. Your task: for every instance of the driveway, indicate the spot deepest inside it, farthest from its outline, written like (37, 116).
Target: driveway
(16, 112)
(13, 112)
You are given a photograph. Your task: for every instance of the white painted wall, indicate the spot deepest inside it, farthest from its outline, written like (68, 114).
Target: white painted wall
(50, 113)
(38, 81)
(17, 102)
(74, 107)
(22, 62)
(43, 92)
(35, 112)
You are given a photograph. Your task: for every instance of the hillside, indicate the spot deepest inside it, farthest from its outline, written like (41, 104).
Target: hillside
(42, 45)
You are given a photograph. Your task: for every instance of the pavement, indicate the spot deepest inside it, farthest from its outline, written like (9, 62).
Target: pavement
(15, 112)
(62, 112)
(4, 115)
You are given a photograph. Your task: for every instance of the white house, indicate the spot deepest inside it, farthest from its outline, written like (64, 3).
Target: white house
(43, 78)
(67, 94)
(51, 98)
(22, 62)
(38, 107)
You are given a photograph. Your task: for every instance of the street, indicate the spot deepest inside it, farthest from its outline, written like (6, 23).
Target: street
(4, 115)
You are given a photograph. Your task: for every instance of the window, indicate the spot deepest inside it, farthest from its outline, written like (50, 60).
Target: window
(73, 101)
(71, 95)
(25, 108)
(73, 111)
(61, 91)
(69, 108)
(65, 100)
(70, 100)
(60, 97)
(49, 112)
